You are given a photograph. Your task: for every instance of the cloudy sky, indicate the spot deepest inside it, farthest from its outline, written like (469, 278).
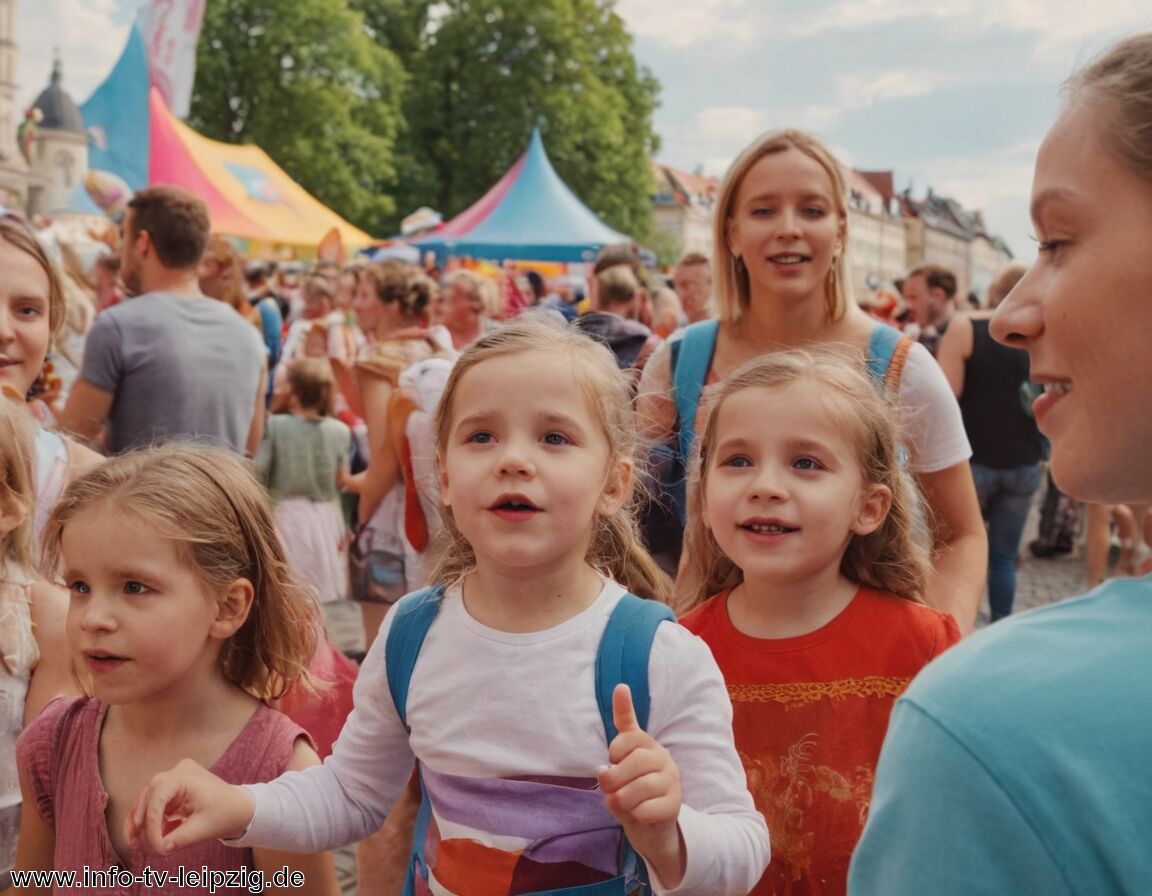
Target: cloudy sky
(952, 94)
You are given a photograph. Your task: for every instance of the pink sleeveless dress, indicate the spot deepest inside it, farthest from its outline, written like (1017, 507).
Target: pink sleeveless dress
(59, 752)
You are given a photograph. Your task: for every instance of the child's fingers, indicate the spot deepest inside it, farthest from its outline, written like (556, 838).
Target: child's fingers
(651, 799)
(651, 760)
(623, 713)
(189, 804)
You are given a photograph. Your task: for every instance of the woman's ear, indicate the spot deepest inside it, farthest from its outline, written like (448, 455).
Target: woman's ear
(232, 609)
(875, 501)
(617, 487)
(730, 235)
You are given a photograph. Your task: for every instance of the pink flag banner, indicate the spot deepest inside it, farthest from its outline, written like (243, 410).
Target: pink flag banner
(171, 29)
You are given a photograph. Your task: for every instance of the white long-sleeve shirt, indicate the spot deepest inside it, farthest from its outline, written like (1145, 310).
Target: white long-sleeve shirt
(487, 704)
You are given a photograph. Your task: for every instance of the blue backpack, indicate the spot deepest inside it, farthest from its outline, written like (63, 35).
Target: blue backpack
(622, 657)
(692, 356)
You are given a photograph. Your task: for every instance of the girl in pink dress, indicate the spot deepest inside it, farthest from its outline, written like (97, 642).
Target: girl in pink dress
(182, 621)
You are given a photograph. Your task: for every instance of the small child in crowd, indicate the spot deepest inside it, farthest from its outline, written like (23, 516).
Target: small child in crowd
(531, 781)
(183, 620)
(304, 460)
(33, 664)
(808, 567)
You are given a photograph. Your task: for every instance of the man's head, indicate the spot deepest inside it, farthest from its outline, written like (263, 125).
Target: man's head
(692, 280)
(165, 230)
(930, 292)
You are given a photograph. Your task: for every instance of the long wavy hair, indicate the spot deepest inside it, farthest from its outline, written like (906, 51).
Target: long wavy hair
(616, 548)
(207, 501)
(894, 557)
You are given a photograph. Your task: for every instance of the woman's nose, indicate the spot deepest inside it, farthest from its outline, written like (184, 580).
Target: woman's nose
(1020, 317)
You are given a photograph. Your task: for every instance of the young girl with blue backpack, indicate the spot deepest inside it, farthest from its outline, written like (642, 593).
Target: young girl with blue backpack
(567, 740)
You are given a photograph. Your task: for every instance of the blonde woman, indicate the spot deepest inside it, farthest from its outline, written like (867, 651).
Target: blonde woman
(780, 241)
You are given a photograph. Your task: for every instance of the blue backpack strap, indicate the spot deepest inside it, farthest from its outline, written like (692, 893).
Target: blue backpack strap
(623, 656)
(411, 620)
(697, 346)
(623, 659)
(414, 615)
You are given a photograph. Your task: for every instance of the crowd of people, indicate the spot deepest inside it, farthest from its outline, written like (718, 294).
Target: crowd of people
(523, 482)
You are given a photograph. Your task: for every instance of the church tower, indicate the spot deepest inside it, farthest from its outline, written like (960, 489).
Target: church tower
(60, 156)
(13, 170)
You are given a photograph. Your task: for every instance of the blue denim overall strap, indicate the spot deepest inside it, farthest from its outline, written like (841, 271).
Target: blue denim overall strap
(622, 657)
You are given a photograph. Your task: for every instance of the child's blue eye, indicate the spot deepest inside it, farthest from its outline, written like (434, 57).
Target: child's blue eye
(737, 460)
(135, 588)
(78, 587)
(481, 438)
(807, 463)
(555, 438)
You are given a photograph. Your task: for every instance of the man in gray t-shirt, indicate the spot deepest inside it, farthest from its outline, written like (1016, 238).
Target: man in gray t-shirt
(169, 363)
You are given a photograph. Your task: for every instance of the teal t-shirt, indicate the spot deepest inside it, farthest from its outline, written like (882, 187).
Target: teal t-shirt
(1020, 762)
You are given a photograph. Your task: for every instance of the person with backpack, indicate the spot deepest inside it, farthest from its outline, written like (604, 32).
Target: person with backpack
(391, 307)
(567, 732)
(780, 238)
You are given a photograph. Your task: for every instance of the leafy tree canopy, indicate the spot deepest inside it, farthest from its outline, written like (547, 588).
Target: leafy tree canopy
(489, 70)
(380, 106)
(305, 81)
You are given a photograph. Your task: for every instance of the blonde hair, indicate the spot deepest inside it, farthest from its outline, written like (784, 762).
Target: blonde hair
(17, 490)
(731, 284)
(1122, 75)
(616, 285)
(895, 556)
(616, 548)
(207, 501)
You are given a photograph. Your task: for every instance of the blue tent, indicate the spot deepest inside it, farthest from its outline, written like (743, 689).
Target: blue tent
(530, 214)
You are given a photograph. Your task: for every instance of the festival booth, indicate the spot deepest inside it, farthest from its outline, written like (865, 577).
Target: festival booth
(248, 195)
(529, 214)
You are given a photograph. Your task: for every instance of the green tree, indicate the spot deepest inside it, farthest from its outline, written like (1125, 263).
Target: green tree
(305, 80)
(489, 70)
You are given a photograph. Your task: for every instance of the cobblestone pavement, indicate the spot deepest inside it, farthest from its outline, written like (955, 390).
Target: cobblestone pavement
(1039, 582)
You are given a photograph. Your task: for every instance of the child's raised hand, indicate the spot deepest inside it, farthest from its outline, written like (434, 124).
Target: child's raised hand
(186, 805)
(642, 790)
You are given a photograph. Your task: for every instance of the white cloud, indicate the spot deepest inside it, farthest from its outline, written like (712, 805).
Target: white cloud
(87, 35)
(1058, 24)
(683, 24)
(861, 89)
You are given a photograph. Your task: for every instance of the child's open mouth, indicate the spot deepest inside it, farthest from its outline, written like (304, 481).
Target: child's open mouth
(514, 507)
